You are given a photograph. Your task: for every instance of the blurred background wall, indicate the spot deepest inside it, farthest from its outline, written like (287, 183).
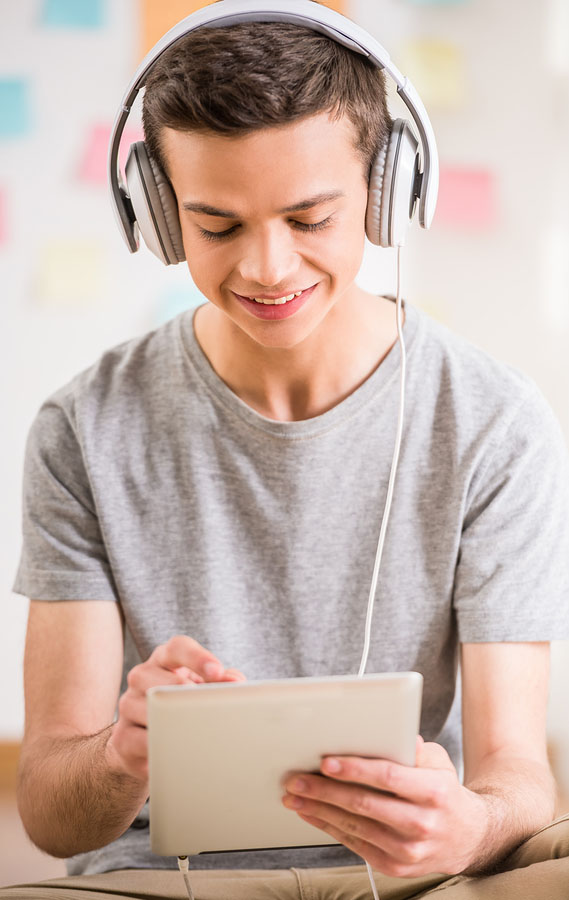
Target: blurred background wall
(494, 267)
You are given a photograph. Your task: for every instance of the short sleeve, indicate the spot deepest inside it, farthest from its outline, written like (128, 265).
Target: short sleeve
(63, 553)
(512, 577)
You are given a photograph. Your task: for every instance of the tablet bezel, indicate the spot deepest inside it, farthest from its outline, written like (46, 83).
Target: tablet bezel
(219, 752)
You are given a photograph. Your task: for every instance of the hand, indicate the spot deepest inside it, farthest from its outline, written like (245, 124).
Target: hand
(426, 822)
(181, 661)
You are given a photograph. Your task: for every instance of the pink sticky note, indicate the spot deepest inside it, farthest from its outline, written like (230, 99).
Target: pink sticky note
(467, 197)
(2, 216)
(93, 166)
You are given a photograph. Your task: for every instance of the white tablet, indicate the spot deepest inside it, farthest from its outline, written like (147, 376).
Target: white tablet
(218, 753)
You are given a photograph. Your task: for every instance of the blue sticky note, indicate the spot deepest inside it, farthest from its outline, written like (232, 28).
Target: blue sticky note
(177, 299)
(15, 116)
(73, 13)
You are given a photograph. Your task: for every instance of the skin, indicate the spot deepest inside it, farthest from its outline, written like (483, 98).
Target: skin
(290, 369)
(298, 367)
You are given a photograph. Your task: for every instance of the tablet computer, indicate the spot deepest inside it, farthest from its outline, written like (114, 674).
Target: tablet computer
(219, 753)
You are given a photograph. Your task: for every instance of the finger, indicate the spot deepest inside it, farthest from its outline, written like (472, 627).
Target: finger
(419, 785)
(130, 744)
(234, 675)
(147, 675)
(188, 674)
(433, 756)
(182, 650)
(133, 709)
(400, 816)
(377, 858)
(398, 846)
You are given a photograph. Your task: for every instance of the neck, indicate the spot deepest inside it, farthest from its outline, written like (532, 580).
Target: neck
(310, 378)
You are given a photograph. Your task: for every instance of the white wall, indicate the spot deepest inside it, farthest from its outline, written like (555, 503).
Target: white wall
(491, 285)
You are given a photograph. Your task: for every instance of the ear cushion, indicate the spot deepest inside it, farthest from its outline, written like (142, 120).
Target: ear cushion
(154, 205)
(391, 198)
(375, 188)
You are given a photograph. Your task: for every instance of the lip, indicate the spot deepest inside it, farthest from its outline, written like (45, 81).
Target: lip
(275, 312)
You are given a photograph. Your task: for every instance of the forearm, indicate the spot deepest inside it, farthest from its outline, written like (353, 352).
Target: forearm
(519, 797)
(70, 800)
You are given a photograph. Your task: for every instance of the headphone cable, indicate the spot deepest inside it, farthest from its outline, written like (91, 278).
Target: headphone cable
(388, 499)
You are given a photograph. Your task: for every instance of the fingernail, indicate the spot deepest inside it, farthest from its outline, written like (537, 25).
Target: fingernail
(299, 784)
(211, 669)
(332, 765)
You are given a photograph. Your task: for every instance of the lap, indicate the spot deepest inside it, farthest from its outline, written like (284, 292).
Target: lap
(538, 869)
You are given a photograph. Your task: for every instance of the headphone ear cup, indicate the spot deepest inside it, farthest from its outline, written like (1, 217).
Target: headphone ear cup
(391, 195)
(154, 205)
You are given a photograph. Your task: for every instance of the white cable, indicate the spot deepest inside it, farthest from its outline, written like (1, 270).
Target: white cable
(394, 462)
(183, 862)
(184, 865)
(371, 881)
(388, 499)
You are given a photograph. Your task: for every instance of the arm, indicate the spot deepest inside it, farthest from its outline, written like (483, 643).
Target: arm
(68, 799)
(429, 822)
(504, 702)
(82, 779)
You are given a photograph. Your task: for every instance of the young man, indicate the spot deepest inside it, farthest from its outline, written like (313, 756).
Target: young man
(203, 504)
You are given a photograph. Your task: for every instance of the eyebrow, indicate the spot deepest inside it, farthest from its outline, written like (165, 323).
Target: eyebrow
(206, 209)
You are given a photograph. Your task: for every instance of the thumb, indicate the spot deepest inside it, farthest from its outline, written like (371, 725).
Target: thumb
(430, 755)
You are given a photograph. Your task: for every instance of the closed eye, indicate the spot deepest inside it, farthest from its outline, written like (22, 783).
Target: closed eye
(301, 226)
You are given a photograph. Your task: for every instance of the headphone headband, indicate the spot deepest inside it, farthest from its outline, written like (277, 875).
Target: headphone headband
(297, 12)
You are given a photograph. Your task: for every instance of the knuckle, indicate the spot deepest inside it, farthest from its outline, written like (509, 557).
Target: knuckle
(414, 852)
(439, 794)
(422, 826)
(390, 778)
(362, 804)
(177, 643)
(133, 677)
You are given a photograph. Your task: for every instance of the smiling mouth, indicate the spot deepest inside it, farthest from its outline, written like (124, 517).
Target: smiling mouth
(275, 301)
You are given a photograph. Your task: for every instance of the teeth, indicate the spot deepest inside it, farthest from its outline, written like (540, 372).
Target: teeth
(277, 301)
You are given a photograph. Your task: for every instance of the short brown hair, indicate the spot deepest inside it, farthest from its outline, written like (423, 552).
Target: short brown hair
(233, 80)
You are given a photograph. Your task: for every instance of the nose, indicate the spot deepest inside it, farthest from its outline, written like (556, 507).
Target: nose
(268, 260)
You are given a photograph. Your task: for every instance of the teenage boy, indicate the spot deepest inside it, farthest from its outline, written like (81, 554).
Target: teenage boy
(203, 504)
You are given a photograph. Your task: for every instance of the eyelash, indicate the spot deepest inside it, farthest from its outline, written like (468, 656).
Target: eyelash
(302, 226)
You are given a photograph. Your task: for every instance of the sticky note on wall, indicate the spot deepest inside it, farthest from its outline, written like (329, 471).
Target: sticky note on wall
(69, 272)
(3, 228)
(15, 117)
(93, 164)
(72, 13)
(177, 299)
(467, 198)
(157, 17)
(437, 71)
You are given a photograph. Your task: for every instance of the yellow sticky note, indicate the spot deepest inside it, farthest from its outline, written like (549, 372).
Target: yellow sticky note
(69, 272)
(158, 17)
(437, 71)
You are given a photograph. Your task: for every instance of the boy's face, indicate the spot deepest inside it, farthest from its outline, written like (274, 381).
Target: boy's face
(269, 250)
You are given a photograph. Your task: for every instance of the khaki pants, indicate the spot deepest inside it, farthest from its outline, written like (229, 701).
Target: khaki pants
(537, 870)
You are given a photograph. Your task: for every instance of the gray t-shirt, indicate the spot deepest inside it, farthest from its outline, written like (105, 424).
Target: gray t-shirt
(149, 482)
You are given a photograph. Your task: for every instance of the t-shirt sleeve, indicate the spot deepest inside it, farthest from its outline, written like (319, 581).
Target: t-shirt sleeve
(63, 553)
(512, 577)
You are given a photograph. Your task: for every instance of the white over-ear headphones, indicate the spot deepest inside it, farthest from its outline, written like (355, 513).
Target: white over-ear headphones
(147, 203)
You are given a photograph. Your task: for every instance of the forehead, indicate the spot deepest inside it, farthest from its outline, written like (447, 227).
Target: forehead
(297, 159)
